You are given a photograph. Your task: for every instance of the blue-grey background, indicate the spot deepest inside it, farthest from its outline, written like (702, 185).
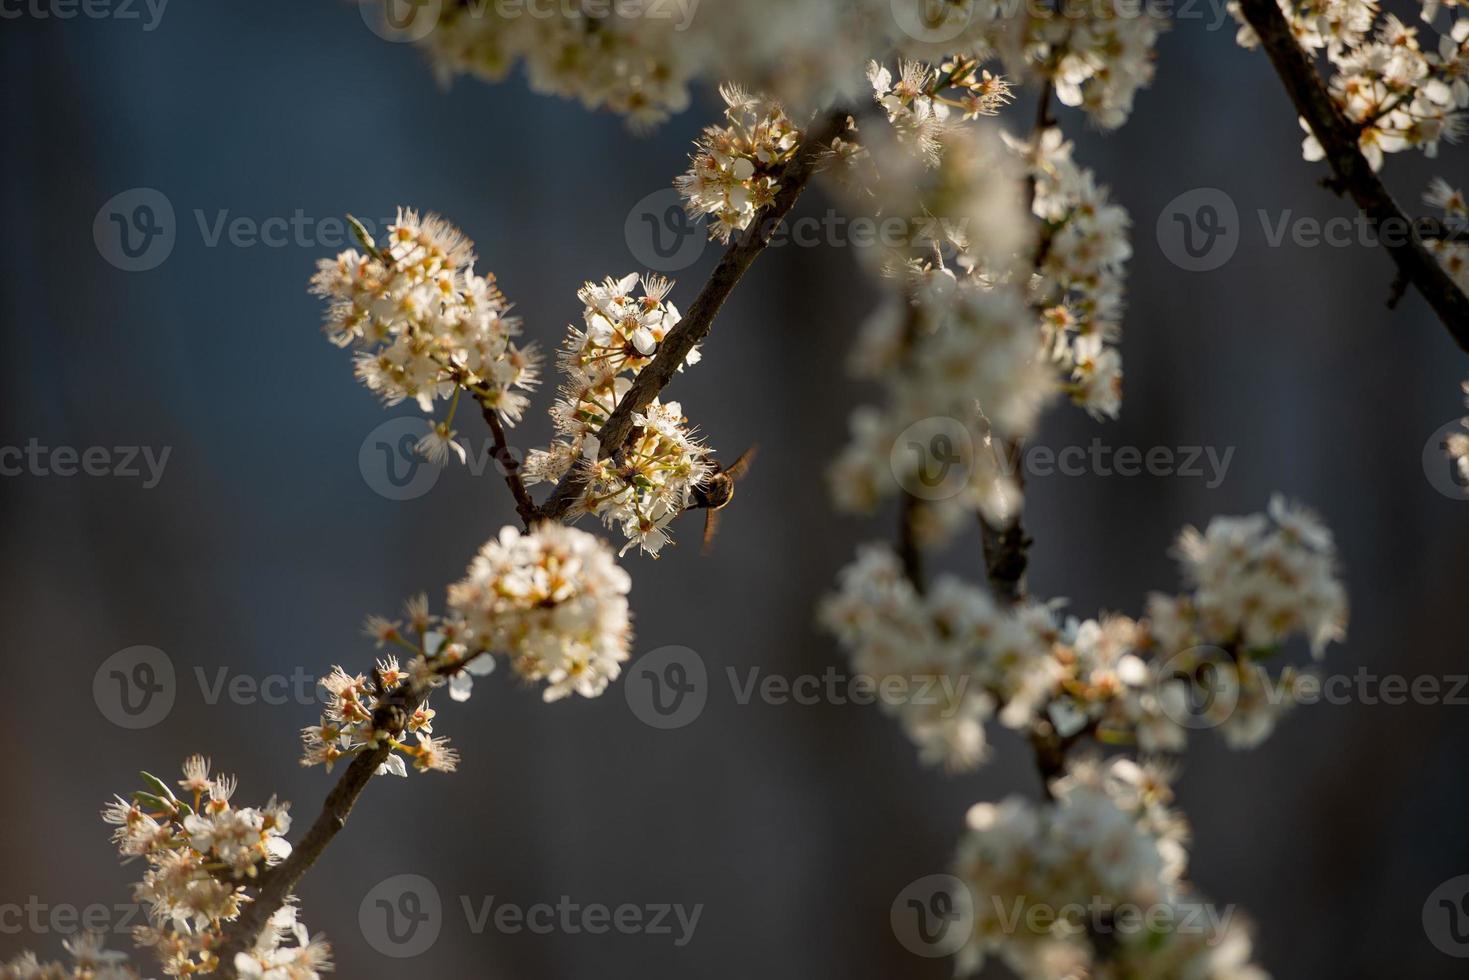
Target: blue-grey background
(263, 545)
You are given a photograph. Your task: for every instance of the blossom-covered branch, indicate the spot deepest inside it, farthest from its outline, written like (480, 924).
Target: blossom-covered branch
(696, 323)
(1342, 142)
(552, 602)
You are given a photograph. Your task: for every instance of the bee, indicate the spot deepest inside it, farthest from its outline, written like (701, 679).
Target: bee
(715, 493)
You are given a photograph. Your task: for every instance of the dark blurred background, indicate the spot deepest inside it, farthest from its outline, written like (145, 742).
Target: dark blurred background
(264, 543)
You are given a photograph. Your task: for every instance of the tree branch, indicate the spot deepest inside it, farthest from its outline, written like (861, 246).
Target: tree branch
(1416, 264)
(276, 884)
(910, 552)
(524, 505)
(696, 323)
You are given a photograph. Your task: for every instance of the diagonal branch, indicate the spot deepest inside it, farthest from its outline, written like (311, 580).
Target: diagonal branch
(1416, 264)
(697, 322)
(510, 466)
(276, 884)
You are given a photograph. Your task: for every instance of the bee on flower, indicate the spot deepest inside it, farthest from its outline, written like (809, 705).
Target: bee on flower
(652, 479)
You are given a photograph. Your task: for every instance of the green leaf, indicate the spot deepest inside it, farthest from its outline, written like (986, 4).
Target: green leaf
(158, 786)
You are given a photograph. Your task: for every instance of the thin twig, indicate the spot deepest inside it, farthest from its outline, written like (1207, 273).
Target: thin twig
(1338, 138)
(910, 552)
(696, 323)
(524, 505)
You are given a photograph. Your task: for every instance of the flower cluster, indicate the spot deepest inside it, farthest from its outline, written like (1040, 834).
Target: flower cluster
(893, 631)
(1026, 309)
(90, 960)
(203, 854)
(1399, 96)
(919, 104)
(1101, 61)
(735, 171)
(554, 602)
(1080, 267)
(1256, 581)
(425, 325)
(364, 713)
(636, 67)
(639, 59)
(964, 353)
(1044, 882)
(1095, 54)
(1452, 247)
(1458, 442)
(650, 481)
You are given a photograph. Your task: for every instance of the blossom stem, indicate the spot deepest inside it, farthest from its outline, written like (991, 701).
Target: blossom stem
(696, 323)
(1338, 138)
(910, 552)
(276, 884)
(524, 505)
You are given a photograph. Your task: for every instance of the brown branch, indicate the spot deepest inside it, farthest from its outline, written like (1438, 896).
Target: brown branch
(276, 884)
(1006, 545)
(524, 505)
(909, 550)
(1338, 138)
(696, 323)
